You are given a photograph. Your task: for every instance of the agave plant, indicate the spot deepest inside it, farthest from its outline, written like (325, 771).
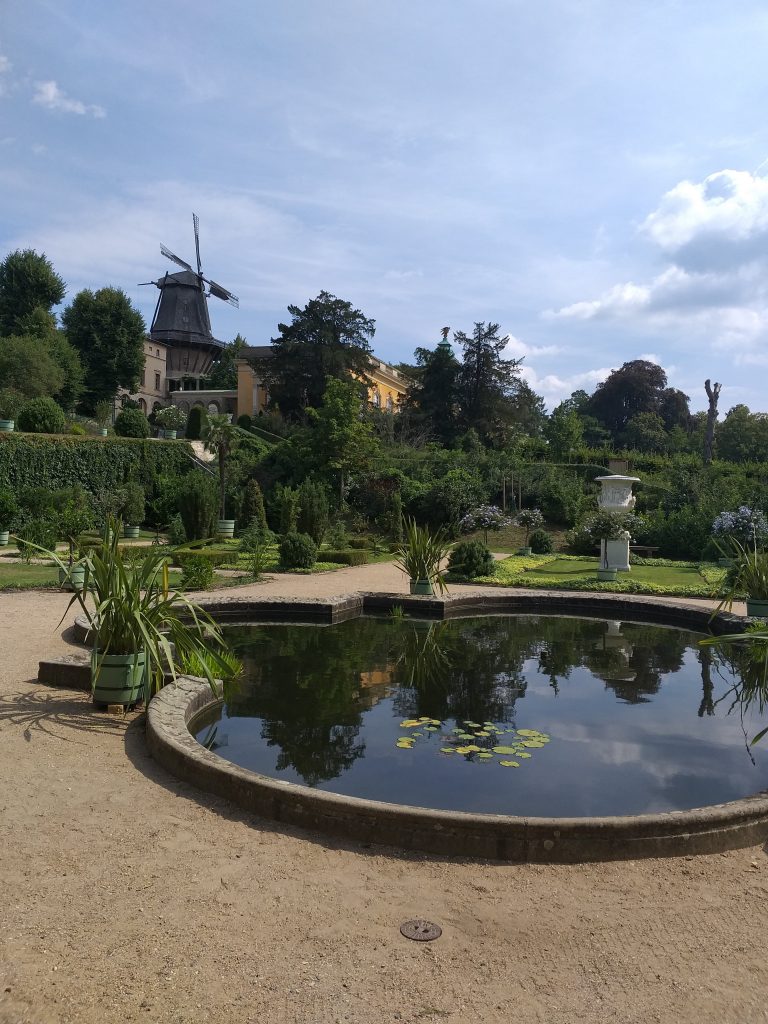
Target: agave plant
(422, 553)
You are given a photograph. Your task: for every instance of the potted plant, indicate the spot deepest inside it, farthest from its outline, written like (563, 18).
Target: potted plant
(421, 556)
(143, 630)
(733, 532)
(529, 519)
(75, 519)
(605, 526)
(485, 518)
(171, 419)
(748, 575)
(102, 413)
(133, 509)
(10, 403)
(220, 438)
(8, 510)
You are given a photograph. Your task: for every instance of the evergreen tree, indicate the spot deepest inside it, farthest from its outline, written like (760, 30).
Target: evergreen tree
(433, 395)
(340, 439)
(223, 376)
(42, 325)
(564, 430)
(27, 281)
(109, 335)
(326, 339)
(487, 382)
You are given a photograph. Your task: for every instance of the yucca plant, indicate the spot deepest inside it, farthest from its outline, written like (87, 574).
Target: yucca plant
(421, 555)
(133, 612)
(748, 574)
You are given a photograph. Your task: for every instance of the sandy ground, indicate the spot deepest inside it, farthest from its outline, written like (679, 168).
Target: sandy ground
(128, 896)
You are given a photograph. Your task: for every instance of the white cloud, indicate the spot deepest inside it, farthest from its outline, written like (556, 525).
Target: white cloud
(49, 95)
(5, 68)
(517, 349)
(554, 388)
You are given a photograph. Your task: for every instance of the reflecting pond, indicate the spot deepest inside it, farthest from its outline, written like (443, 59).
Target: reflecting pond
(528, 715)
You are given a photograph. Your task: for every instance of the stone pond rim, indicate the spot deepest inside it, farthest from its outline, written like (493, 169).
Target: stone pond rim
(713, 829)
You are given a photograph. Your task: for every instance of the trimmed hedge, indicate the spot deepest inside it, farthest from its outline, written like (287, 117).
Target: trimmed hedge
(96, 463)
(214, 558)
(352, 556)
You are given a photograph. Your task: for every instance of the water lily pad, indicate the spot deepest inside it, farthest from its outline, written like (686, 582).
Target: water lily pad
(535, 744)
(431, 728)
(404, 745)
(527, 732)
(425, 719)
(463, 750)
(472, 725)
(417, 734)
(473, 747)
(485, 755)
(411, 723)
(482, 732)
(509, 764)
(504, 750)
(450, 750)
(522, 753)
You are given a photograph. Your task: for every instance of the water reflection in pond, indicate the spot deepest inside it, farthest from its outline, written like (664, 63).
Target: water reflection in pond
(533, 715)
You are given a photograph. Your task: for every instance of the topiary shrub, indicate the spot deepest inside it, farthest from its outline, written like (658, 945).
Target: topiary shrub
(132, 423)
(350, 557)
(195, 423)
(580, 541)
(77, 430)
(253, 506)
(297, 551)
(133, 504)
(471, 558)
(42, 416)
(176, 532)
(541, 543)
(313, 510)
(244, 422)
(8, 508)
(196, 572)
(197, 498)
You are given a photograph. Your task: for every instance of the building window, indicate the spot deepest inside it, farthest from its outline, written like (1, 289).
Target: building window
(213, 408)
(377, 399)
(157, 382)
(143, 405)
(390, 403)
(143, 377)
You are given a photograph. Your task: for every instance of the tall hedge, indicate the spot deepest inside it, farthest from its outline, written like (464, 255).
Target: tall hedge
(96, 463)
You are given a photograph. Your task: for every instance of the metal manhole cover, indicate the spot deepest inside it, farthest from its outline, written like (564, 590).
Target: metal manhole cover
(420, 930)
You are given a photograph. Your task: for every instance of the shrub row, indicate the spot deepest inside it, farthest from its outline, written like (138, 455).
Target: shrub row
(97, 463)
(351, 556)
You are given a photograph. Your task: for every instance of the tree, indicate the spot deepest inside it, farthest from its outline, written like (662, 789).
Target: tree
(564, 430)
(109, 335)
(220, 438)
(328, 339)
(27, 366)
(434, 391)
(340, 439)
(132, 423)
(645, 433)
(27, 281)
(487, 382)
(41, 324)
(528, 412)
(743, 435)
(674, 409)
(223, 376)
(635, 387)
(713, 394)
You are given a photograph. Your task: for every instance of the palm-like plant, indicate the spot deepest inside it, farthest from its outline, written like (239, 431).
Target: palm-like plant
(220, 437)
(422, 553)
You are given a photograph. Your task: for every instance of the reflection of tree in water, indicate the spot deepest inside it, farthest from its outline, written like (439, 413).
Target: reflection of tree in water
(304, 683)
(707, 706)
(655, 653)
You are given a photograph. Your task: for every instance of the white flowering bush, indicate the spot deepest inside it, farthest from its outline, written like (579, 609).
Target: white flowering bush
(746, 525)
(484, 517)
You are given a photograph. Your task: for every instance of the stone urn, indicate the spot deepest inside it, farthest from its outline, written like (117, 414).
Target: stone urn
(616, 496)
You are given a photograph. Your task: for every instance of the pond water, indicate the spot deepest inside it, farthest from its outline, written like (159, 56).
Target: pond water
(525, 715)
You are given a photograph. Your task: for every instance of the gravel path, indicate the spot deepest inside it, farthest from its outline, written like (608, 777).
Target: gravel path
(127, 896)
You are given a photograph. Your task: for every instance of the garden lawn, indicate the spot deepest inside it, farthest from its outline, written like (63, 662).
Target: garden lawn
(15, 575)
(564, 572)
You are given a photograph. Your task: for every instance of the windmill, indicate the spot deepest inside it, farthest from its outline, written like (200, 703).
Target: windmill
(181, 319)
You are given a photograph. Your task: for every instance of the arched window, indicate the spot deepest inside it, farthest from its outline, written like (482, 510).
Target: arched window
(184, 406)
(213, 408)
(143, 406)
(156, 406)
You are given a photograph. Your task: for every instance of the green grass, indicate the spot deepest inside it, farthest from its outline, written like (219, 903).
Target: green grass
(568, 572)
(18, 575)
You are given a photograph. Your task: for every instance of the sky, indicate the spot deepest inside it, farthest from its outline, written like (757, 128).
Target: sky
(590, 175)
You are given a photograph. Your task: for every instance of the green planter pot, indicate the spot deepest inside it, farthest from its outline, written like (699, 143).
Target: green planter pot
(606, 575)
(423, 587)
(170, 435)
(226, 528)
(757, 608)
(725, 563)
(131, 532)
(72, 579)
(103, 431)
(4, 536)
(6, 426)
(525, 551)
(120, 678)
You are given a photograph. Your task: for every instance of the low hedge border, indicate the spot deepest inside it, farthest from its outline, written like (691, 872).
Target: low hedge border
(350, 556)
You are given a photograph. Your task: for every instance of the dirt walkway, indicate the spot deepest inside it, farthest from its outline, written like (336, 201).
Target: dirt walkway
(127, 896)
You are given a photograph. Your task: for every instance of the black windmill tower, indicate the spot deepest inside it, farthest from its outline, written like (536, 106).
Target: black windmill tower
(181, 319)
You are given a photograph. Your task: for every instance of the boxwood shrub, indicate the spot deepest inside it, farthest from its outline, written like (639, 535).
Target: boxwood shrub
(352, 556)
(297, 551)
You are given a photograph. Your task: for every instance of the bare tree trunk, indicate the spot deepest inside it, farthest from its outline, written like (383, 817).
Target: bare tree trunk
(713, 393)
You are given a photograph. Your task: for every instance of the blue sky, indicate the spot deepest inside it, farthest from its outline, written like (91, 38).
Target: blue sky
(587, 173)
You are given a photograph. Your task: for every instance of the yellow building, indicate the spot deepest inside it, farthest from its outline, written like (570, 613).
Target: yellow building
(387, 390)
